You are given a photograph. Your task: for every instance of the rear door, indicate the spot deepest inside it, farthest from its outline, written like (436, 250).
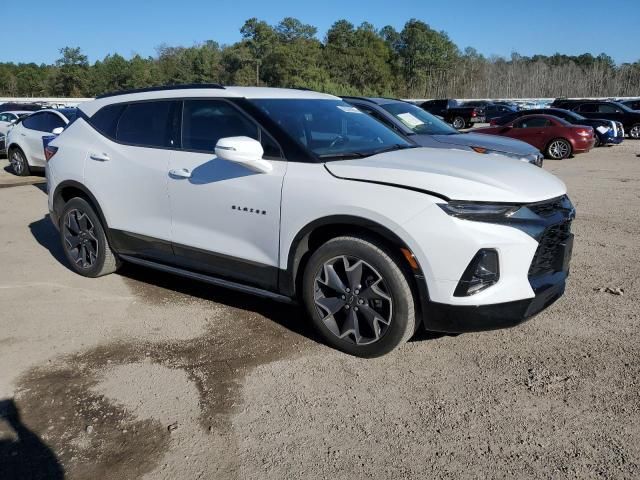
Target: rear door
(611, 112)
(225, 217)
(126, 169)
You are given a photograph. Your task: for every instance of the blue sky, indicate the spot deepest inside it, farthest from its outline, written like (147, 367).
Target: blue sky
(491, 26)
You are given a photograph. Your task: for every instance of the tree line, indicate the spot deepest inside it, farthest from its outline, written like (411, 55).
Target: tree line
(415, 62)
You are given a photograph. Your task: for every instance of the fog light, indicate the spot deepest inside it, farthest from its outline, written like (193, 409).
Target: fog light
(482, 272)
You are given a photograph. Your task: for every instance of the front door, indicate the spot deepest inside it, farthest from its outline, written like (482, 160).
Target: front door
(225, 218)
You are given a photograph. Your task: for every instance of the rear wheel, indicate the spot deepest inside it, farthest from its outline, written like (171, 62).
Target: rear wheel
(19, 163)
(84, 241)
(635, 131)
(358, 297)
(559, 149)
(458, 123)
(598, 143)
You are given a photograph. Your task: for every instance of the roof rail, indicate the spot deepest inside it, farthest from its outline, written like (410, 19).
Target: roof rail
(160, 88)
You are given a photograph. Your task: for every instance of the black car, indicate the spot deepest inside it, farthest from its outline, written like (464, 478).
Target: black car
(632, 104)
(460, 116)
(608, 132)
(605, 109)
(495, 111)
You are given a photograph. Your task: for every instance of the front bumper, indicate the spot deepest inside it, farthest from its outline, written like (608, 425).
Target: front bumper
(534, 246)
(440, 317)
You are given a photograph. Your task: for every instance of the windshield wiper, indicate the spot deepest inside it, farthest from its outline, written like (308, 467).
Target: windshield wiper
(343, 155)
(391, 148)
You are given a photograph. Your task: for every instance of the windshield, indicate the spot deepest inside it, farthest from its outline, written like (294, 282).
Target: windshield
(418, 120)
(331, 128)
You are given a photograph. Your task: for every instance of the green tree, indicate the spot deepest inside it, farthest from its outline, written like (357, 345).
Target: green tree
(72, 73)
(427, 56)
(358, 58)
(260, 40)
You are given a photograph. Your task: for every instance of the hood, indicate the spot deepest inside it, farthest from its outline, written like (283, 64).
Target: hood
(454, 174)
(491, 142)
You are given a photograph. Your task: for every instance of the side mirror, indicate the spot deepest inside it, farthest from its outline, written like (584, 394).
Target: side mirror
(57, 131)
(244, 151)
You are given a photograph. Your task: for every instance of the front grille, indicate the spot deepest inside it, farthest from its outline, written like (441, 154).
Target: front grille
(548, 256)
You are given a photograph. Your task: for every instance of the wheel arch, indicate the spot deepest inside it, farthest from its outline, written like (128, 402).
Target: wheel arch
(317, 232)
(69, 189)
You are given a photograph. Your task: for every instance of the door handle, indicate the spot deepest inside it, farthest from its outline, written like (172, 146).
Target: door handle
(180, 173)
(99, 157)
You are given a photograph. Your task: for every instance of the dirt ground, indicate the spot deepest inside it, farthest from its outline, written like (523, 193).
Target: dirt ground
(145, 375)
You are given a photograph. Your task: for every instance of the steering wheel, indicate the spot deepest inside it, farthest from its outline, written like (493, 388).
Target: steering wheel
(339, 139)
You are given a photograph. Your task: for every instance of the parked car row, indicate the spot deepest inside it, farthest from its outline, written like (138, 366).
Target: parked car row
(609, 110)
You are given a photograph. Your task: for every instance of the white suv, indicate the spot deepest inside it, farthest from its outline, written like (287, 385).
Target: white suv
(297, 195)
(25, 147)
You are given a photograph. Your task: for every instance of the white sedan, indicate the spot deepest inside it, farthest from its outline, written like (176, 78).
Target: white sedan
(24, 143)
(7, 120)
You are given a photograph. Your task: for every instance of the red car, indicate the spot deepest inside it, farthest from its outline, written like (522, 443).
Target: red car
(554, 136)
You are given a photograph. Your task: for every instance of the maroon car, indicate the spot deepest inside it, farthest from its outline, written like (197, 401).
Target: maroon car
(554, 136)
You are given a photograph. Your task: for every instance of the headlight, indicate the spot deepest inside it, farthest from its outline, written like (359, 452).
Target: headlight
(480, 212)
(533, 158)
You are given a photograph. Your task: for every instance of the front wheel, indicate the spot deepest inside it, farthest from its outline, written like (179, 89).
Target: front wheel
(84, 241)
(635, 131)
(358, 297)
(559, 149)
(458, 123)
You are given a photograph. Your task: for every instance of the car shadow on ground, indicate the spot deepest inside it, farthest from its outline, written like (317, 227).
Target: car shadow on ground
(149, 283)
(24, 455)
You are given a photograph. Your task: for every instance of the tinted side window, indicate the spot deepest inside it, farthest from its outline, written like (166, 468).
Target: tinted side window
(106, 119)
(604, 108)
(147, 124)
(36, 121)
(533, 123)
(53, 121)
(4, 117)
(588, 108)
(204, 122)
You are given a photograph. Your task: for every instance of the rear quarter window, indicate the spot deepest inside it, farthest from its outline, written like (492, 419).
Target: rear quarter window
(106, 119)
(147, 124)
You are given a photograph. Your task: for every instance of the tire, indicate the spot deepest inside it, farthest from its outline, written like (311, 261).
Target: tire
(19, 162)
(458, 123)
(634, 131)
(82, 232)
(598, 143)
(558, 149)
(365, 322)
